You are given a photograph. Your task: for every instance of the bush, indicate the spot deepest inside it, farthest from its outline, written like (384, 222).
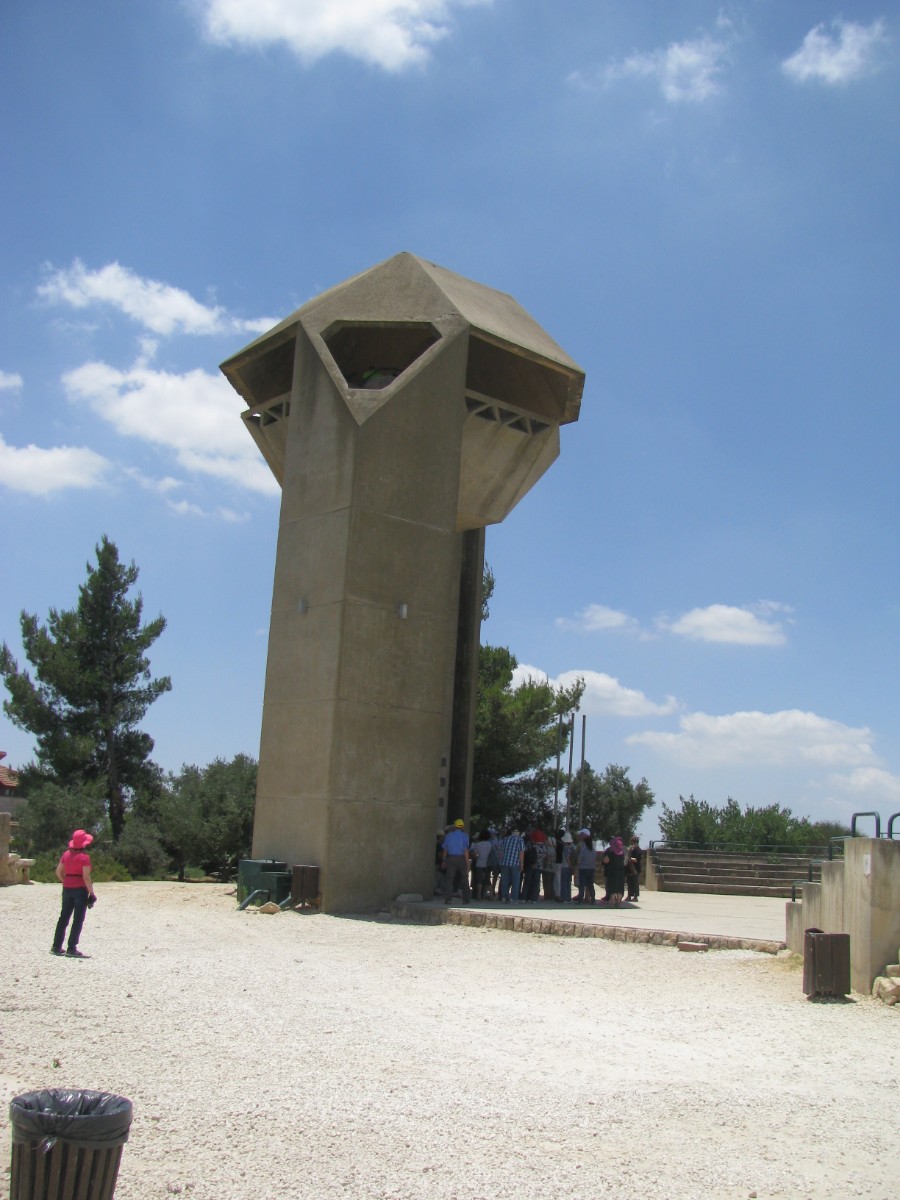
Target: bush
(140, 851)
(750, 829)
(103, 869)
(49, 815)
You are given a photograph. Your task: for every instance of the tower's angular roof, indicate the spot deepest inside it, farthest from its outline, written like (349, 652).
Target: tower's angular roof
(407, 288)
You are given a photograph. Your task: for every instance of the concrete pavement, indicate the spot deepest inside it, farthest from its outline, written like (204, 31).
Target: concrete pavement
(724, 922)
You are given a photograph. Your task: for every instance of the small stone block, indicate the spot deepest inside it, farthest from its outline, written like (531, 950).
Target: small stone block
(693, 946)
(892, 971)
(886, 989)
(270, 908)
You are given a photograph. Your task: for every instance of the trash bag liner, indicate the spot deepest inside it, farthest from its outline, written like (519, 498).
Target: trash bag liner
(94, 1120)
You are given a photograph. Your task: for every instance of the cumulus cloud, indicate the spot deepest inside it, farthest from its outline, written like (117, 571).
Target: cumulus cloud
(195, 415)
(788, 738)
(392, 34)
(42, 472)
(726, 623)
(603, 694)
(10, 382)
(760, 624)
(156, 306)
(597, 618)
(873, 785)
(686, 72)
(838, 54)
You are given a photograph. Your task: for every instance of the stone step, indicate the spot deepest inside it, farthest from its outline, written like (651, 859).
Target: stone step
(700, 868)
(712, 888)
(736, 859)
(737, 880)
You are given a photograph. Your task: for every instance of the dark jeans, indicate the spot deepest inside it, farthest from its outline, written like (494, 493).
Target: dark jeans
(456, 866)
(74, 906)
(532, 884)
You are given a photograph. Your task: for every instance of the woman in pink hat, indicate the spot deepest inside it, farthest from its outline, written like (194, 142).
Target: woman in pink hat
(74, 873)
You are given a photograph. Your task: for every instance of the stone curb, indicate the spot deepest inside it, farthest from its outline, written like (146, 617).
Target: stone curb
(614, 933)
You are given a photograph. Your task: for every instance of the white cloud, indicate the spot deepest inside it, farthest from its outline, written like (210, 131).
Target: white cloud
(163, 486)
(849, 51)
(392, 34)
(689, 71)
(185, 508)
(754, 625)
(196, 415)
(784, 738)
(874, 785)
(603, 694)
(597, 618)
(726, 623)
(156, 306)
(41, 472)
(10, 382)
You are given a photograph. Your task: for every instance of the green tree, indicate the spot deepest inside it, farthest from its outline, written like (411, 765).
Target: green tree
(92, 686)
(769, 828)
(610, 803)
(515, 736)
(205, 815)
(50, 812)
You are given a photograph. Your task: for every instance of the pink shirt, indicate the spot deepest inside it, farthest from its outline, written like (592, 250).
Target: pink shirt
(73, 864)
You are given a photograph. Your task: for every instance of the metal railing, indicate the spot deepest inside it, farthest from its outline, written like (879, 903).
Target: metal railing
(856, 817)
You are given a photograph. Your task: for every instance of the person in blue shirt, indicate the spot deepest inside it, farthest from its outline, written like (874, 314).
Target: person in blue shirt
(456, 862)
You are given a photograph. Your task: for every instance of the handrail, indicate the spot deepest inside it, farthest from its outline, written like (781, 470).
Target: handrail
(832, 842)
(853, 819)
(891, 819)
(796, 883)
(664, 842)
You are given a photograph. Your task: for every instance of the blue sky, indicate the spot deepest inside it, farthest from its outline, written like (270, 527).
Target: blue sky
(698, 201)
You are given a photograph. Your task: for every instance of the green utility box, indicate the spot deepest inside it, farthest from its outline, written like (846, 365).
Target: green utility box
(265, 874)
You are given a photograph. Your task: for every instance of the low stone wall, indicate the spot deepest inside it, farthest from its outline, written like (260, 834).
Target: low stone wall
(5, 822)
(859, 895)
(424, 915)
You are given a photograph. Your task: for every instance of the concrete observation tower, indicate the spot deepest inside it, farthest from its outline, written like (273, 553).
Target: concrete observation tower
(401, 412)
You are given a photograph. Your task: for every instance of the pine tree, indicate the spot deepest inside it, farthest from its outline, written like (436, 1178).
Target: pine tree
(92, 686)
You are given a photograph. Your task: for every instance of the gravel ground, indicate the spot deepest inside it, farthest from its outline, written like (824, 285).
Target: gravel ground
(313, 1056)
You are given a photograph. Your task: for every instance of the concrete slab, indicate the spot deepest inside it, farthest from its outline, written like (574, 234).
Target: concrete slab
(750, 922)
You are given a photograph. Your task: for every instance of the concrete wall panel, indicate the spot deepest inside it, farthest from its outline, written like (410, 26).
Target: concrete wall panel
(387, 756)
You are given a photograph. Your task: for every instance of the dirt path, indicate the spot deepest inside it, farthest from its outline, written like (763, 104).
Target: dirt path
(313, 1056)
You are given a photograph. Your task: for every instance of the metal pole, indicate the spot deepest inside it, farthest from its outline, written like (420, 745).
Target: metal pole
(556, 788)
(581, 788)
(569, 777)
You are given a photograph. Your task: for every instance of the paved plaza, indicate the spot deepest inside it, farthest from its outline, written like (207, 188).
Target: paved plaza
(745, 919)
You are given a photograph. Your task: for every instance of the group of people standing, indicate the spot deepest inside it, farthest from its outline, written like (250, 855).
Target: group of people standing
(516, 867)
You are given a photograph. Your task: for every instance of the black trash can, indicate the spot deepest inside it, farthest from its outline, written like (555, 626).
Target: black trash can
(826, 963)
(67, 1144)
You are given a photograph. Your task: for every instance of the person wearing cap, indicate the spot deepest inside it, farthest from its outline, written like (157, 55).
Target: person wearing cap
(456, 861)
(74, 873)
